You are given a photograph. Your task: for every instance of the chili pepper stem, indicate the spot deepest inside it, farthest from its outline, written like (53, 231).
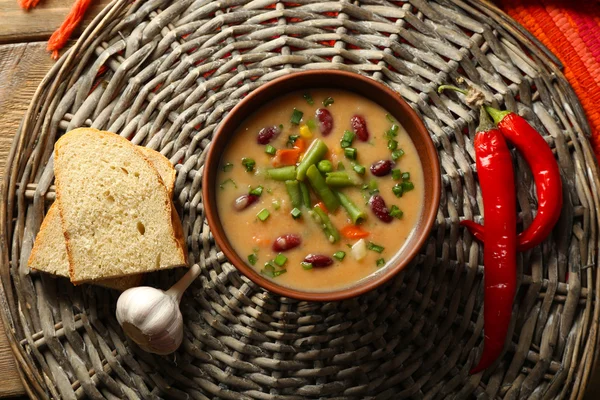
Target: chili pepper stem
(497, 115)
(451, 87)
(485, 123)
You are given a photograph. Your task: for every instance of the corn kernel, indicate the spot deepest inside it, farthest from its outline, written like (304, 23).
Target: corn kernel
(305, 132)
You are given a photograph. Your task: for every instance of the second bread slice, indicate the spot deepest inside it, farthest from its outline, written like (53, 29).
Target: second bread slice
(115, 210)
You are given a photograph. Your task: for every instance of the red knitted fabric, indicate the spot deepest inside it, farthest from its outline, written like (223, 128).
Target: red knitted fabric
(571, 30)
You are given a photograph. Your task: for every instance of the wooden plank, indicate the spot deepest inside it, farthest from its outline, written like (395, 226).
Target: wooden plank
(39, 23)
(22, 67)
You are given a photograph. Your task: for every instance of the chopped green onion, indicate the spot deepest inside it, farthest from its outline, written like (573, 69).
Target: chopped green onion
(296, 213)
(280, 260)
(249, 164)
(328, 101)
(257, 191)
(269, 190)
(280, 126)
(375, 247)
(252, 258)
(350, 152)
(396, 212)
(226, 181)
(339, 255)
(325, 166)
(312, 125)
(397, 190)
(292, 140)
(308, 98)
(407, 186)
(373, 187)
(392, 144)
(268, 270)
(296, 116)
(227, 167)
(270, 150)
(396, 174)
(406, 176)
(341, 166)
(276, 204)
(306, 265)
(396, 154)
(359, 169)
(392, 132)
(347, 139)
(263, 214)
(390, 118)
(380, 262)
(282, 173)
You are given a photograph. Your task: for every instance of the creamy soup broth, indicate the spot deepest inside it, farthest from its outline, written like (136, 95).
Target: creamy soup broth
(249, 235)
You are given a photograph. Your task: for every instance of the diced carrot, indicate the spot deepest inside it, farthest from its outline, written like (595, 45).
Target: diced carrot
(300, 144)
(261, 241)
(286, 157)
(354, 232)
(322, 206)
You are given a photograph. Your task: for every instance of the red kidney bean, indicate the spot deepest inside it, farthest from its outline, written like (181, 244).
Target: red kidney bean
(318, 260)
(325, 121)
(244, 201)
(286, 242)
(382, 167)
(379, 208)
(266, 134)
(359, 126)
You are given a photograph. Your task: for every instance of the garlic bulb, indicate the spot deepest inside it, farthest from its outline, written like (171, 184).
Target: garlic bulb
(151, 317)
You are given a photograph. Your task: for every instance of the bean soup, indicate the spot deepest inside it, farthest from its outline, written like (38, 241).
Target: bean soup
(319, 189)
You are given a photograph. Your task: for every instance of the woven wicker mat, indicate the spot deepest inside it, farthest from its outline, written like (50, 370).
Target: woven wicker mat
(164, 73)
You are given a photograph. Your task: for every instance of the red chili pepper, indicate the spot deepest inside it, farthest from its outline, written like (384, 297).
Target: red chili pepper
(496, 177)
(546, 175)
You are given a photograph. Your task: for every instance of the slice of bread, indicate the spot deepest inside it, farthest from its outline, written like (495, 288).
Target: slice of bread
(114, 207)
(49, 252)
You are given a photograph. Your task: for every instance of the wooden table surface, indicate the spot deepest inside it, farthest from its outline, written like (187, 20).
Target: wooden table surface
(23, 63)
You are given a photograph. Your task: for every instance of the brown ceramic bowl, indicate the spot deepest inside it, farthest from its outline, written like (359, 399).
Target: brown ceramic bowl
(370, 89)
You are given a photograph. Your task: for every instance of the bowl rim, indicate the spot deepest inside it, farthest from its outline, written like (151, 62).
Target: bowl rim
(216, 227)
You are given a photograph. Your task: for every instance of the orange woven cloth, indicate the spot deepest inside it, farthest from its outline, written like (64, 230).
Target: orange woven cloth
(571, 30)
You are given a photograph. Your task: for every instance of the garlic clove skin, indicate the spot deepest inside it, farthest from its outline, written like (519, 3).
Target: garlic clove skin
(151, 318)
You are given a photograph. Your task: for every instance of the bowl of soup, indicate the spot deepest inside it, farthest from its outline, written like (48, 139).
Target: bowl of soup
(321, 185)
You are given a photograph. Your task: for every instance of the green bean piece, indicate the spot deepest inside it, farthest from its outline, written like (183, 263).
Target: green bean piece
(293, 190)
(319, 184)
(325, 166)
(339, 182)
(313, 155)
(305, 194)
(296, 213)
(340, 179)
(356, 215)
(323, 219)
(282, 173)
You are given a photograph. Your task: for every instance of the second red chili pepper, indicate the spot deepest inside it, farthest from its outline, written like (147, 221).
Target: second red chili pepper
(496, 177)
(546, 175)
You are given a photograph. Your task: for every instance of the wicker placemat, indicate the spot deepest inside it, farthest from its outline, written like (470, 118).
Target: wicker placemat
(164, 73)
